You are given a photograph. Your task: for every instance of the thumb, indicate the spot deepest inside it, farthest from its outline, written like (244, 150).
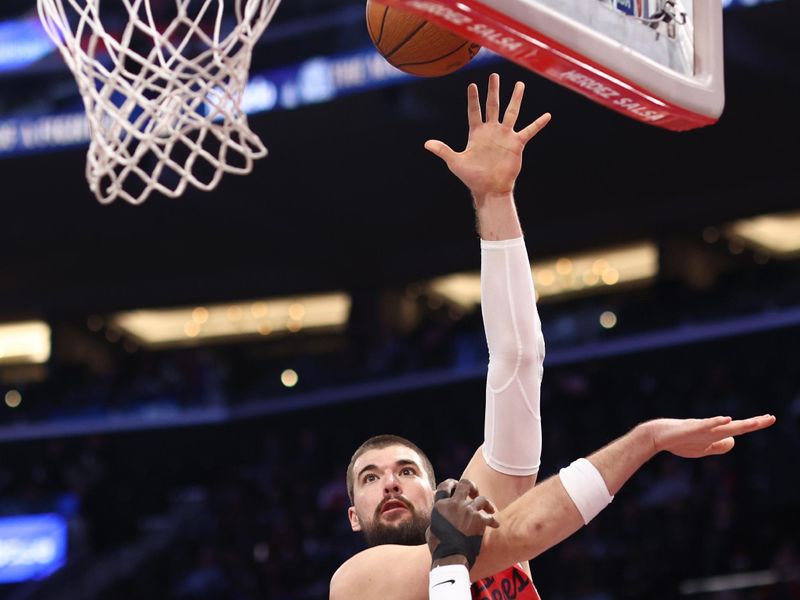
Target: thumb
(440, 149)
(721, 447)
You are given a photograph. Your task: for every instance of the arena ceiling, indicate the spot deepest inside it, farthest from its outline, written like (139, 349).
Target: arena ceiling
(348, 199)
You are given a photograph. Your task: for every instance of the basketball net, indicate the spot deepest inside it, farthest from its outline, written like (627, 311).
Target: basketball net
(163, 99)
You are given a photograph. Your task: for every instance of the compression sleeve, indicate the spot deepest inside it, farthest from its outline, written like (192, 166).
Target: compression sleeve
(512, 430)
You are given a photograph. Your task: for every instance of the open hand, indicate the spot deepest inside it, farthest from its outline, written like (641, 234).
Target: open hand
(492, 160)
(695, 438)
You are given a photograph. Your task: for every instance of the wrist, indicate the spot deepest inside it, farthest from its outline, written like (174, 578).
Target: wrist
(497, 216)
(492, 198)
(647, 437)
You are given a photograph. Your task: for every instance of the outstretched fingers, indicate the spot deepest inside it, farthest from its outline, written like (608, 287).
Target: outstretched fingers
(717, 421)
(493, 99)
(474, 117)
(512, 110)
(740, 427)
(531, 130)
(725, 429)
(710, 425)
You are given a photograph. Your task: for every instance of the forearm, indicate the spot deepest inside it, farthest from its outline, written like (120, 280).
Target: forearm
(536, 521)
(516, 349)
(508, 305)
(546, 515)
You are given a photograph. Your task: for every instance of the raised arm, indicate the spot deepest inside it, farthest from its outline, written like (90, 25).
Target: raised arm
(506, 465)
(492, 160)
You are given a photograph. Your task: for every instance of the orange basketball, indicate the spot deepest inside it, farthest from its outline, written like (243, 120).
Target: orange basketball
(415, 45)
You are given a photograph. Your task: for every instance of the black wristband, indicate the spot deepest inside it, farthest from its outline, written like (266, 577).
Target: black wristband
(451, 540)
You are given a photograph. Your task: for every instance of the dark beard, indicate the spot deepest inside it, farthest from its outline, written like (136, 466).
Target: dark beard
(407, 533)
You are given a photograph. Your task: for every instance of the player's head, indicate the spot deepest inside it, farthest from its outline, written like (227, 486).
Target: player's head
(391, 485)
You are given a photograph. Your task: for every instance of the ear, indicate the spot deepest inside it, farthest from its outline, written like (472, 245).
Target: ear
(355, 524)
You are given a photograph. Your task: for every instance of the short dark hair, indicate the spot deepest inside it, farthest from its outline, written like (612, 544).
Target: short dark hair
(383, 441)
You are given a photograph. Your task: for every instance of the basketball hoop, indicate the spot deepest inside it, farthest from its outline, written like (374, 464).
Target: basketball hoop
(163, 96)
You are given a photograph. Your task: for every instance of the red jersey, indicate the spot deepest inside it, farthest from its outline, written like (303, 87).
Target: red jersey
(511, 584)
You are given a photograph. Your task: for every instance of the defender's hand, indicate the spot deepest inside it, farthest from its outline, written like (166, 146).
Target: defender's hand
(461, 506)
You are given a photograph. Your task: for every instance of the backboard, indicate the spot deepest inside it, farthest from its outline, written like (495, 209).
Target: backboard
(657, 61)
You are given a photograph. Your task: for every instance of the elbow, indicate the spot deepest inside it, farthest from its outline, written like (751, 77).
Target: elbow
(531, 350)
(519, 353)
(531, 361)
(531, 358)
(510, 363)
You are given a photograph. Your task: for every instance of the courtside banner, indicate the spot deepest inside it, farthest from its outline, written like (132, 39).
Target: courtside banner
(541, 54)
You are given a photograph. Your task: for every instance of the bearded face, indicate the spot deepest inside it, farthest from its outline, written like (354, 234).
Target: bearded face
(392, 497)
(405, 530)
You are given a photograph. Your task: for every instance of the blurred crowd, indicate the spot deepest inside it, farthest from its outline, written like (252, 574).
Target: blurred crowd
(118, 382)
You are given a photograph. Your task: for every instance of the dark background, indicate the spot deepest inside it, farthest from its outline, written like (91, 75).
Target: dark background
(347, 185)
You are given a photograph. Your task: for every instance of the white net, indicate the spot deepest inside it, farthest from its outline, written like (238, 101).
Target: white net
(163, 85)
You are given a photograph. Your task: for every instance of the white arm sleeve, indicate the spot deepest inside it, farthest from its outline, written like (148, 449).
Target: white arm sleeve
(512, 430)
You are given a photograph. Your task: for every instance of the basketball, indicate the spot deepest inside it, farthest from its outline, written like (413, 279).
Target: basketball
(414, 45)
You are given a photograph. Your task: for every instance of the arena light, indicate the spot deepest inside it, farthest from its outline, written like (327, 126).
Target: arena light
(730, 582)
(776, 234)
(744, 3)
(582, 273)
(22, 43)
(24, 343)
(192, 325)
(33, 546)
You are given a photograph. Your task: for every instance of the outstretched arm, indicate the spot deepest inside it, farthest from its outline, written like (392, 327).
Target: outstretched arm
(546, 514)
(543, 516)
(506, 465)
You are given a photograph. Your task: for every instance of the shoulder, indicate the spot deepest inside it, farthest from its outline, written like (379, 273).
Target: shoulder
(386, 572)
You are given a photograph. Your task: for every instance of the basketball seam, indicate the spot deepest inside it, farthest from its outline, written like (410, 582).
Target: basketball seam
(433, 60)
(403, 42)
(383, 22)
